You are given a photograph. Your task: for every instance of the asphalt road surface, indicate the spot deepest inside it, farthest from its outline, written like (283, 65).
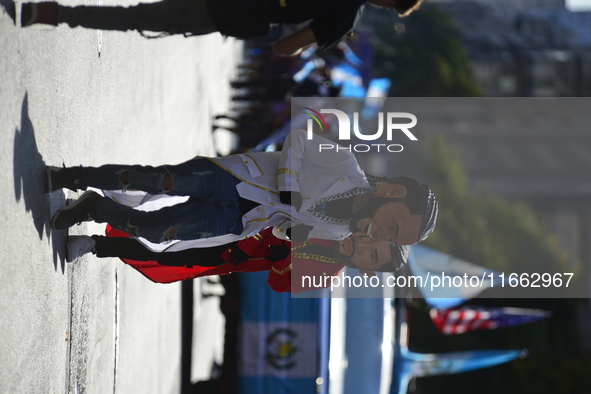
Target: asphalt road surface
(79, 96)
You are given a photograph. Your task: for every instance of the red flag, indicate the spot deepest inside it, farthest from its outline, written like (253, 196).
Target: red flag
(460, 320)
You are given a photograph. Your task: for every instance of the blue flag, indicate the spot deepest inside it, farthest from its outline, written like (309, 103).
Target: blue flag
(410, 364)
(446, 280)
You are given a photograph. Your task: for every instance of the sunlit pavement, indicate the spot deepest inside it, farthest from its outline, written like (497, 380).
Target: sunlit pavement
(96, 325)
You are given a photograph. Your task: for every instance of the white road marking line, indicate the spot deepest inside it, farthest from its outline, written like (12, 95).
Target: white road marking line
(99, 33)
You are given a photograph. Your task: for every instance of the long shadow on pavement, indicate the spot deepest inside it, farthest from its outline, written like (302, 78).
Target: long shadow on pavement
(226, 381)
(186, 334)
(29, 171)
(9, 8)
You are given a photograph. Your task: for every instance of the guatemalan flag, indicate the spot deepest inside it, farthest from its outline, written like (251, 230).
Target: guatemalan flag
(282, 340)
(460, 320)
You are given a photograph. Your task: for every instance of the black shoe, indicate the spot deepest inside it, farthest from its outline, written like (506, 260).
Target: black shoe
(32, 13)
(82, 210)
(59, 178)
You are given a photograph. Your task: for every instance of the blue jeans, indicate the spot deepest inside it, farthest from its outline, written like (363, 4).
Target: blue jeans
(212, 209)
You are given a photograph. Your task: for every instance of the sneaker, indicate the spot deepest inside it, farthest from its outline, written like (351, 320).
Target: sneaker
(78, 245)
(59, 178)
(32, 13)
(82, 210)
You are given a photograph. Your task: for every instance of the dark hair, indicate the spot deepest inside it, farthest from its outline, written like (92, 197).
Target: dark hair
(413, 198)
(419, 199)
(399, 258)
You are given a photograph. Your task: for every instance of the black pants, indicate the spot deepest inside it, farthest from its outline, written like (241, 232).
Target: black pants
(169, 16)
(128, 248)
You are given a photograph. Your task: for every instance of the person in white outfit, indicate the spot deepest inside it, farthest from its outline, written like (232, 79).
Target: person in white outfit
(300, 192)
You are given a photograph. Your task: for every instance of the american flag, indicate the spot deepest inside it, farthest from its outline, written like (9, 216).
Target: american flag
(459, 320)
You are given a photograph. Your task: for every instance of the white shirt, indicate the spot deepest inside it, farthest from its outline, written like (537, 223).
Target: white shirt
(300, 167)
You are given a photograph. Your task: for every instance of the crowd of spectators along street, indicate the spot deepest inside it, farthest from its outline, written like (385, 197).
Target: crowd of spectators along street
(266, 82)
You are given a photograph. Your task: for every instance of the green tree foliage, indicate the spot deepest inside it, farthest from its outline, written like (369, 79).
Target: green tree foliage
(422, 53)
(494, 232)
(484, 228)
